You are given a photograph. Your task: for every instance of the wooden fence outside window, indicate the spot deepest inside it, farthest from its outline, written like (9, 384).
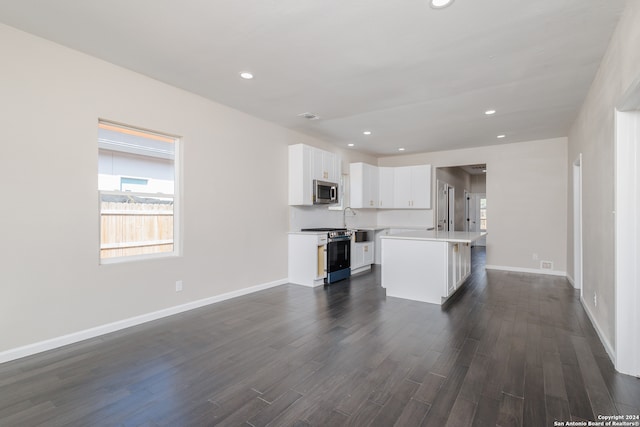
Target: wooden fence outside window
(135, 228)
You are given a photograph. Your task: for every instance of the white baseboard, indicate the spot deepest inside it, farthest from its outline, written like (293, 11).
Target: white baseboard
(527, 270)
(605, 343)
(50, 344)
(570, 279)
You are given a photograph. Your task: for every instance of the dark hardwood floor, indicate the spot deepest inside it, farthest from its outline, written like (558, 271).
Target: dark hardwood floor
(511, 350)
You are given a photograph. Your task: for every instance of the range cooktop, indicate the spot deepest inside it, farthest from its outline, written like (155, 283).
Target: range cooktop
(324, 229)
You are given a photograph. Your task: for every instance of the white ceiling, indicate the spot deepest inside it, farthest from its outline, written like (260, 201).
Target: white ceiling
(417, 77)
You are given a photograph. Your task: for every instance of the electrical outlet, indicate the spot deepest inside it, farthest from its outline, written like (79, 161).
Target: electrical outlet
(535, 257)
(546, 265)
(178, 285)
(595, 299)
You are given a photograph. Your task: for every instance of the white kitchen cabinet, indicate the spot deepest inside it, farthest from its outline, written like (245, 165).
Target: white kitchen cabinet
(368, 253)
(405, 187)
(402, 188)
(325, 165)
(307, 163)
(412, 187)
(386, 187)
(362, 256)
(364, 185)
(459, 265)
(421, 187)
(307, 258)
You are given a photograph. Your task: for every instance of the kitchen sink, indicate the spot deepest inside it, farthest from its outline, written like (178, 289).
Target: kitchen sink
(361, 235)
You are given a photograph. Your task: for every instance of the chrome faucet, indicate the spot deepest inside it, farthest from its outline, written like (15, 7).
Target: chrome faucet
(344, 215)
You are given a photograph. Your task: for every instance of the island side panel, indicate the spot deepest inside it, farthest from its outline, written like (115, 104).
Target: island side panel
(415, 269)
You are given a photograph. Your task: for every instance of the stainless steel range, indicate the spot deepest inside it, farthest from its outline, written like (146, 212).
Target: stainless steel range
(338, 253)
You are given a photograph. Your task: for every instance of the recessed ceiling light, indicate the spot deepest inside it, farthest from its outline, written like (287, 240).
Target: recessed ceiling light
(484, 170)
(439, 4)
(367, 132)
(246, 75)
(501, 136)
(400, 149)
(490, 112)
(350, 145)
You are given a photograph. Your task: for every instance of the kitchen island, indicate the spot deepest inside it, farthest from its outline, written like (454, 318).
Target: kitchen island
(428, 266)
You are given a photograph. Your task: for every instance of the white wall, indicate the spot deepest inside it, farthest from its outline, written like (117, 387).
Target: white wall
(234, 201)
(526, 196)
(479, 183)
(593, 135)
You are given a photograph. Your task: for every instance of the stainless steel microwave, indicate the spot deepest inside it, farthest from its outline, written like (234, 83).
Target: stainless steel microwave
(324, 192)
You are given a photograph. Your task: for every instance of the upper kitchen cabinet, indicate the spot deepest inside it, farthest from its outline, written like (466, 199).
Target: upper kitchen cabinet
(385, 187)
(406, 187)
(412, 187)
(325, 165)
(307, 163)
(364, 186)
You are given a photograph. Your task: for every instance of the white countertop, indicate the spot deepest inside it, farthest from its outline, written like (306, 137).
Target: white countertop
(369, 228)
(317, 233)
(443, 236)
(385, 227)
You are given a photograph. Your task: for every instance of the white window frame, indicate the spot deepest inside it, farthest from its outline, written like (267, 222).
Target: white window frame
(176, 196)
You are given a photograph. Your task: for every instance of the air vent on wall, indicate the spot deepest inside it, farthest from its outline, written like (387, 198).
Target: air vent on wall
(309, 116)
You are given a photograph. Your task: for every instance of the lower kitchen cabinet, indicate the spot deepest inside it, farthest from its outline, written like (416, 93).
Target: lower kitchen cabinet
(459, 266)
(362, 256)
(307, 258)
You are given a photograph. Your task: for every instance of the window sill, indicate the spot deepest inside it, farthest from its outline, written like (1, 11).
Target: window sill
(134, 258)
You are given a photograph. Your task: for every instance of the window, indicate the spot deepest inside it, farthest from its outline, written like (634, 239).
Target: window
(137, 191)
(483, 214)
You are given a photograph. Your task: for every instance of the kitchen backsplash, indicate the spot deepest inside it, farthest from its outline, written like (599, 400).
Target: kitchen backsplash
(406, 217)
(321, 216)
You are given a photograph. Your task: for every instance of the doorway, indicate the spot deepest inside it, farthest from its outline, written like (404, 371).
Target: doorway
(456, 203)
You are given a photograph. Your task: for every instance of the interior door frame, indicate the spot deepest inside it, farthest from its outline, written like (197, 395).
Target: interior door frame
(627, 235)
(577, 225)
(467, 200)
(451, 208)
(439, 220)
